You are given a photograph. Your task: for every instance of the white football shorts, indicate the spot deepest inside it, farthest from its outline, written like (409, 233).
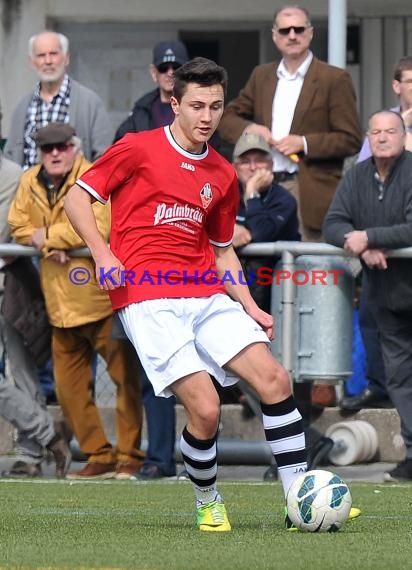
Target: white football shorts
(177, 337)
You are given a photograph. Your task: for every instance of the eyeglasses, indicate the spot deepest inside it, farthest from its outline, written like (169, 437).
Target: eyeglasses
(259, 161)
(164, 67)
(61, 147)
(286, 31)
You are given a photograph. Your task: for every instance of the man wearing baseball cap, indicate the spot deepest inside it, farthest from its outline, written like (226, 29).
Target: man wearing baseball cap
(267, 211)
(153, 109)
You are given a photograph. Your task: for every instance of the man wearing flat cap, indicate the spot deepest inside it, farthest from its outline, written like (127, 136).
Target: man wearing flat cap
(79, 312)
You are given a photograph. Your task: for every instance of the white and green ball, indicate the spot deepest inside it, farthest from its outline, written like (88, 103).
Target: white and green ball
(318, 501)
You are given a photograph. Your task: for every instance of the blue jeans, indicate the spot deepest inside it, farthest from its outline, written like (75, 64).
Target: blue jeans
(161, 428)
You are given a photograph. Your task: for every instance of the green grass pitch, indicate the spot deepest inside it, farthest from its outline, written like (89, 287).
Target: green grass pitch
(115, 525)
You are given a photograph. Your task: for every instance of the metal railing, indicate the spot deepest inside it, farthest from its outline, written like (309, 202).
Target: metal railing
(230, 451)
(287, 250)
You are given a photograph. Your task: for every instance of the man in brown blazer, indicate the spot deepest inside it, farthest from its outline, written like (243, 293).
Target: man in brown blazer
(306, 110)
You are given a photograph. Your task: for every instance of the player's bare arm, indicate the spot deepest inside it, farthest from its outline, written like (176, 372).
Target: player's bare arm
(78, 207)
(228, 261)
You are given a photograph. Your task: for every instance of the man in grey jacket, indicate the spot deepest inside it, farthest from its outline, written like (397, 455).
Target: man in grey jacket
(370, 213)
(21, 400)
(56, 98)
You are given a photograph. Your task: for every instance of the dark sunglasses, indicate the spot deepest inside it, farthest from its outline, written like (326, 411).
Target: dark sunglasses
(297, 29)
(164, 67)
(61, 147)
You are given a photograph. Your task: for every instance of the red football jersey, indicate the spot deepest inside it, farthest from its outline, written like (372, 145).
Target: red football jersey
(168, 207)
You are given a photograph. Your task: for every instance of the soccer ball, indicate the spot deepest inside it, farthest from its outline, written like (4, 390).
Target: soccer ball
(318, 501)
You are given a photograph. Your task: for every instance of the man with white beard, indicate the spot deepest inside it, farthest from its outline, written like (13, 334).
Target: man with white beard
(57, 97)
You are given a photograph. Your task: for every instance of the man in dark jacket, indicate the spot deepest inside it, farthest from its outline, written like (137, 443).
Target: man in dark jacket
(267, 211)
(370, 213)
(153, 109)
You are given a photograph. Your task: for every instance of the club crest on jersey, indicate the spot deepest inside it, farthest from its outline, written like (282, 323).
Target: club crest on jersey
(206, 195)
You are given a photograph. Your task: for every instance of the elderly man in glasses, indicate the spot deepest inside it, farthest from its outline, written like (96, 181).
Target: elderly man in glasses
(79, 312)
(306, 110)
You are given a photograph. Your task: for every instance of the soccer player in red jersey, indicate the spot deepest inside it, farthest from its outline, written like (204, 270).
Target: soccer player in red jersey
(173, 276)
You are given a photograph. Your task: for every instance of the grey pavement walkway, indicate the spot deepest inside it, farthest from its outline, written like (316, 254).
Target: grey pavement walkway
(372, 472)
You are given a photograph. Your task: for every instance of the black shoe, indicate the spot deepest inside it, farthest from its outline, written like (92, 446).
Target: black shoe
(319, 452)
(366, 399)
(61, 454)
(402, 472)
(247, 411)
(151, 471)
(23, 469)
(271, 474)
(183, 475)
(51, 400)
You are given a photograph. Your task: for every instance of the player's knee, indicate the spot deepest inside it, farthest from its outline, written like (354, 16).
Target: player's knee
(207, 419)
(283, 380)
(277, 386)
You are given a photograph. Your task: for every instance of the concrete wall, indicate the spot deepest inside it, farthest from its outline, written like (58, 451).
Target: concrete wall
(111, 41)
(19, 19)
(233, 428)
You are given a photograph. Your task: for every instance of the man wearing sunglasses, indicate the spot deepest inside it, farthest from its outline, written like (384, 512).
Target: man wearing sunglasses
(80, 314)
(153, 109)
(306, 110)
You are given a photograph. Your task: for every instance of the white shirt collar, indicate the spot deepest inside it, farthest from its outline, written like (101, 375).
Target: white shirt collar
(283, 73)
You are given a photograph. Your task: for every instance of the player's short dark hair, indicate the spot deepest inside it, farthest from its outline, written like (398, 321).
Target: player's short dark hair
(200, 70)
(404, 64)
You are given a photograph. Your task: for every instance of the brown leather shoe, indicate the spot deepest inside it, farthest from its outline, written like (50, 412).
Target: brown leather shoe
(23, 469)
(94, 471)
(125, 471)
(323, 395)
(61, 454)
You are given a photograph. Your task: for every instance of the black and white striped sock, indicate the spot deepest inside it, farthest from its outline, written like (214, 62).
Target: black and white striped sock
(199, 456)
(282, 423)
